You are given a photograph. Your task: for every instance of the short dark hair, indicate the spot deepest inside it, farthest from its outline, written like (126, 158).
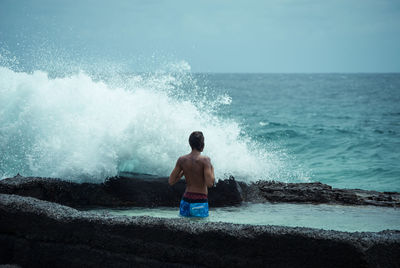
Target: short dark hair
(196, 140)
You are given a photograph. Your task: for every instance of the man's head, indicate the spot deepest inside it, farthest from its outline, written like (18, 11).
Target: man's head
(196, 141)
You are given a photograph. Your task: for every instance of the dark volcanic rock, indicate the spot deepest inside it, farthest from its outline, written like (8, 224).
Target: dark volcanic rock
(225, 193)
(116, 191)
(35, 233)
(145, 191)
(317, 192)
(55, 190)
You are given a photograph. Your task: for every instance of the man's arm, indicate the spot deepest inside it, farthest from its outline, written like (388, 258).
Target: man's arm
(176, 174)
(209, 176)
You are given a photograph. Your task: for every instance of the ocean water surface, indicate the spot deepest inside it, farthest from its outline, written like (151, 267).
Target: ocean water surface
(328, 217)
(340, 129)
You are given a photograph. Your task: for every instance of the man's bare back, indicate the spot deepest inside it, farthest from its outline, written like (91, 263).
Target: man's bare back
(198, 171)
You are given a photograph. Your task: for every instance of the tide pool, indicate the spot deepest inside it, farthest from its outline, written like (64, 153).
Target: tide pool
(328, 217)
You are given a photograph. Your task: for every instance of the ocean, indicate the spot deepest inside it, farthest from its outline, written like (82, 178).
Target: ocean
(339, 129)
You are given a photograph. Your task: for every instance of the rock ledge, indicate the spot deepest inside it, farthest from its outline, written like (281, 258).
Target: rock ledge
(36, 233)
(152, 192)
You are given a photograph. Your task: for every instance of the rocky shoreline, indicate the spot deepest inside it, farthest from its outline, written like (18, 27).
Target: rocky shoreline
(143, 191)
(36, 233)
(41, 227)
(318, 193)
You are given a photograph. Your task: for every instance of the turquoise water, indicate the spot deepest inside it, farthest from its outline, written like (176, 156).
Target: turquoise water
(340, 129)
(328, 217)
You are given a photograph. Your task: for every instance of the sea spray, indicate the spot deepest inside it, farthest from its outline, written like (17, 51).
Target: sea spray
(82, 129)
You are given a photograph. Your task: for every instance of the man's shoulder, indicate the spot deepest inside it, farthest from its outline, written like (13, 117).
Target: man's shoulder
(205, 159)
(202, 158)
(183, 158)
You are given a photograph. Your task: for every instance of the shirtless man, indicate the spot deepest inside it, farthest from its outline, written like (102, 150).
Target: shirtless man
(199, 174)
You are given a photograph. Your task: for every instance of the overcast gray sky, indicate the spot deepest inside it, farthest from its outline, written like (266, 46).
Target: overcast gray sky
(212, 36)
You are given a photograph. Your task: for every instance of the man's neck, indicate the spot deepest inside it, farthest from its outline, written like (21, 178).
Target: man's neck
(195, 152)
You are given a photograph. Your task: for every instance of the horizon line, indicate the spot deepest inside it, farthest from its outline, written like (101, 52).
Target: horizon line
(206, 72)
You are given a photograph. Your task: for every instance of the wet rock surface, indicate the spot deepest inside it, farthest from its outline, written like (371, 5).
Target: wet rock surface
(143, 191)
(36, 233)
(318, 193)
(150, 191)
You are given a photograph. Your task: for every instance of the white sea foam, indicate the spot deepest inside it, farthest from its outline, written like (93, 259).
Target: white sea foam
(85, 130)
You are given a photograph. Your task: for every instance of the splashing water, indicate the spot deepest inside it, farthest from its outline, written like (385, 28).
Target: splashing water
(87, 129)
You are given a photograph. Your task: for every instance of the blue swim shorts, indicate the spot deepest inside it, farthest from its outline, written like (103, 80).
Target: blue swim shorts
(194, 205)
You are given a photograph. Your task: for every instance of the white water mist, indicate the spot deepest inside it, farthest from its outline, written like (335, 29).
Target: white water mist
(80, 129)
